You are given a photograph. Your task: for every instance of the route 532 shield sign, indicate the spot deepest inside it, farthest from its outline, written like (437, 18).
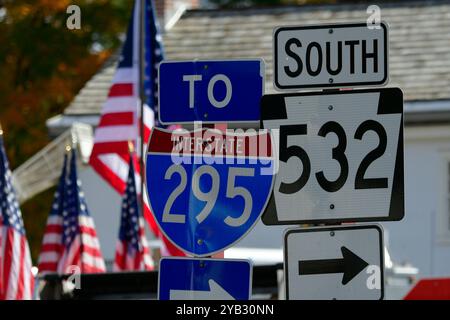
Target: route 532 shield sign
(341, 156)
(208, 188)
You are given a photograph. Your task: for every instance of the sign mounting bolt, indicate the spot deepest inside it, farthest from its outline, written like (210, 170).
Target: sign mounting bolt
(330, 107)
(330, 31)
(330, 80)
(205, 115)
(331, 206)
(332, 233)
(200, 242)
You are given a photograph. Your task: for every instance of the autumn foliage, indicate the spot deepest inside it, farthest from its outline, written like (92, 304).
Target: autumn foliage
(43, 65)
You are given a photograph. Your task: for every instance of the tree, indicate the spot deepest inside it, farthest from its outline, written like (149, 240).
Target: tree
(43, 65)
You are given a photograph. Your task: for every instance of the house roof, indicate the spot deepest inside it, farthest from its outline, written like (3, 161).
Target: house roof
(419, 44)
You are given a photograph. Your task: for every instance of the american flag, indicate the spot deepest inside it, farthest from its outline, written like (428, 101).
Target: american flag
(77, 236)
(132, 251)
(16, 279)
(120, 118)
(52, 247)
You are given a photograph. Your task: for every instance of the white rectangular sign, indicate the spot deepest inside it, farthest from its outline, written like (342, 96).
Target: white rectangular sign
(334, 263)
(327, 56)
(340, 156)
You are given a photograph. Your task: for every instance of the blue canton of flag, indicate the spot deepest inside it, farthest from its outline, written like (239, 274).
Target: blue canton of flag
(11, 215)
(132, 251)
(74, 205)
(154, 54)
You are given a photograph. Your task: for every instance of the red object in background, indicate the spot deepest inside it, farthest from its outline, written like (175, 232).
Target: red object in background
(430, 289)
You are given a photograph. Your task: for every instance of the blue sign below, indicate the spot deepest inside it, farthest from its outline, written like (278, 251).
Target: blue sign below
(210, 91)
(204, 279)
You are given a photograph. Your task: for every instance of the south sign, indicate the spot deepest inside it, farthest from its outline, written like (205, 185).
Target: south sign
(327, 56)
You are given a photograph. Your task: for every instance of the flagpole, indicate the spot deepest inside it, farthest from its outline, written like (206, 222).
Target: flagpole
(142, 96)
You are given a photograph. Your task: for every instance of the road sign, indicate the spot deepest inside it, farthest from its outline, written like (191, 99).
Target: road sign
(340, 156)
(207, 188)
(204, 279)
(340, 263)
(210, 91)
(327, 56)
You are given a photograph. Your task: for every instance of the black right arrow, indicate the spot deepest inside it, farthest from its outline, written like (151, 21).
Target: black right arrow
(350, 265)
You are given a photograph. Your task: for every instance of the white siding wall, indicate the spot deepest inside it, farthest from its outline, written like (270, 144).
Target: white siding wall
(419, 238)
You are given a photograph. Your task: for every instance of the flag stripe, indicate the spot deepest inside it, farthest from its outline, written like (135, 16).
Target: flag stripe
(14, 267)
(116, 133)
(2, 246)
(53, 228)
(7, 252)
(125, 75)
(50, 255)
(120, 118)
(121, 90)
(20, 283)
(120, 104)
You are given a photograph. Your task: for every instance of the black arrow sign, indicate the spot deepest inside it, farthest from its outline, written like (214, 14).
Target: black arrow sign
(350, 265)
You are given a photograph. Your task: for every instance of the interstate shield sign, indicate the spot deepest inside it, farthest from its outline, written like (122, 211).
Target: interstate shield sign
(208, 188)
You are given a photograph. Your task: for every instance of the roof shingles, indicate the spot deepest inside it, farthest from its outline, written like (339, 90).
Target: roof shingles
(419, 39)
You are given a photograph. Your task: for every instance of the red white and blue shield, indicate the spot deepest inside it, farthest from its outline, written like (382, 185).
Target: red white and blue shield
(208, 188)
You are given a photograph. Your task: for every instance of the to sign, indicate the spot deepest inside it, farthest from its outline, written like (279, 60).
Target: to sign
(327, 56)
(340, 156)
(334, 263)
(207, 188)
(210, 91)
(204, 279)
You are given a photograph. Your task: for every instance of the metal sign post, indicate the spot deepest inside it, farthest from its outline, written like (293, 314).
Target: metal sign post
(340, 157)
